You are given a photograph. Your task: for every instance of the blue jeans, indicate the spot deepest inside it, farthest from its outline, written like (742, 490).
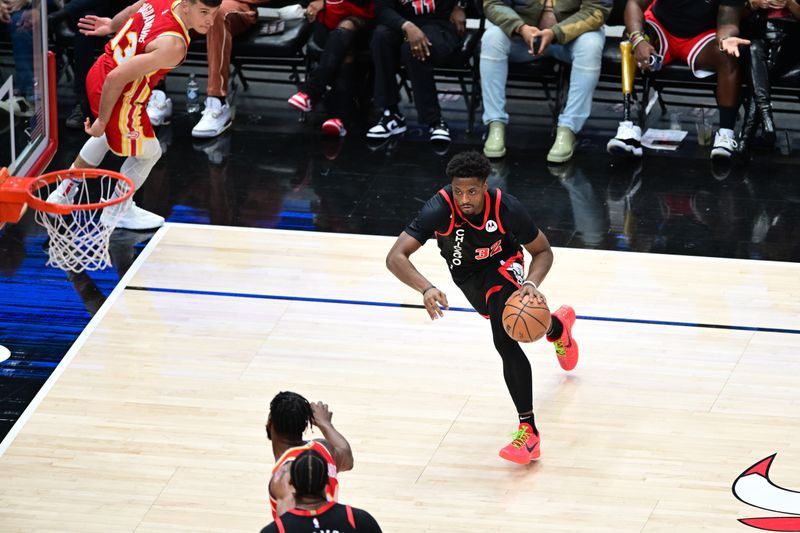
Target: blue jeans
(584, 53)
(22, 48)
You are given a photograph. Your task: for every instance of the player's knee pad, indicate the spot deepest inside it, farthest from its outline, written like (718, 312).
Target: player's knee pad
(94, 150)
(139, 167)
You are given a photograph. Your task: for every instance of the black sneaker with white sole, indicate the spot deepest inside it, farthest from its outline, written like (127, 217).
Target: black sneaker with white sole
(389, 124)
(440, 131)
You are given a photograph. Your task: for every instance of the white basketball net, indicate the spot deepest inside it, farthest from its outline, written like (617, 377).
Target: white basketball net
(79, 240)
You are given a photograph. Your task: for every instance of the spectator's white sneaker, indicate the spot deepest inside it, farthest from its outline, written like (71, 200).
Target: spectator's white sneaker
(217, 117)
(134, 218)
(724, 144)
(628, 140)
(159, 108)
(22, 106)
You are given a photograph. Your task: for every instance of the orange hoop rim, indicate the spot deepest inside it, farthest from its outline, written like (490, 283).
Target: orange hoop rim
(35, 183)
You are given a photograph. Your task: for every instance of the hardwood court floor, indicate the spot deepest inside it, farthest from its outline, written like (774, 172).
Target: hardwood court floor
(155, 420)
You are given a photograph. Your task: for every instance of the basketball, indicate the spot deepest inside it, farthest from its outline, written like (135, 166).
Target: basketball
(526, 322)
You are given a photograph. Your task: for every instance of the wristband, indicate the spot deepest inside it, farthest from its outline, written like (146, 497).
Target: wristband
(527, 281)
(719, 44)
(426, 289)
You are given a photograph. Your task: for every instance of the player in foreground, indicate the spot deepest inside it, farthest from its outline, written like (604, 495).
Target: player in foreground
(289, 416)
(479, 231)
(151, 38)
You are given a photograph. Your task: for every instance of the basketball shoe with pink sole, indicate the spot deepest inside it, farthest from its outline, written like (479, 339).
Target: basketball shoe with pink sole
(525, 446)
(566, 346)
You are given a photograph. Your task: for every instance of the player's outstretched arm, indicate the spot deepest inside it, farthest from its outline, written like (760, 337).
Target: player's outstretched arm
(342, 453)
(100, 26)
(399, 263)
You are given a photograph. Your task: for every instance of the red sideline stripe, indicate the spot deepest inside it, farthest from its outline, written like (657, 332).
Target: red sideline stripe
(773, 524)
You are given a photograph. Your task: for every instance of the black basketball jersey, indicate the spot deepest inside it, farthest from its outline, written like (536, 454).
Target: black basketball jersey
(469, 245)
(328, 518)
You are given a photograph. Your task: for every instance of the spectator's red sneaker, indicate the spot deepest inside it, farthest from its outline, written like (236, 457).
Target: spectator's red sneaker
(566, 347)
(333, 127)
(524, 446)
(300, 101)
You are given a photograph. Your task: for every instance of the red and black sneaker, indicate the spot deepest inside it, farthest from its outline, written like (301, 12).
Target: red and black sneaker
(525, 446)
(566, 347)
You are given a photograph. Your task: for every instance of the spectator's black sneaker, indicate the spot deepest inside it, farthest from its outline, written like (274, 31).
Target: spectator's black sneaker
(389, 124)
(75, 119)
(440, 131)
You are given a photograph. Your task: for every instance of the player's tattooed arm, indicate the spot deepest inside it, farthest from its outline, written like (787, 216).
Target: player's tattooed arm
(341, 451)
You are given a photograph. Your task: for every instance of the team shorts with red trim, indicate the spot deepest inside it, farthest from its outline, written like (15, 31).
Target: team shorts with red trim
(129, 124)
(673, 48)
(480, 286)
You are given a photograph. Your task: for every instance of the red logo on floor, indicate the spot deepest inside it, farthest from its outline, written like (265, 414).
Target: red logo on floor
(754, 488)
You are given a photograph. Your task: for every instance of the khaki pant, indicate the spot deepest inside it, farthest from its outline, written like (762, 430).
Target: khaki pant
(233, 18)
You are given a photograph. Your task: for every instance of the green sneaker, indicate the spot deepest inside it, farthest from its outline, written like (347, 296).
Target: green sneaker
(563, 147)
(495, 145)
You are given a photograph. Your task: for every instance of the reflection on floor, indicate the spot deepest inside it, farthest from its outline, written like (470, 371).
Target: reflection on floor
(274, 172)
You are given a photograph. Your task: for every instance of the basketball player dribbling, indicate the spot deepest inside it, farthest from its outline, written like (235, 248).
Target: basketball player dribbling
(479, 231)
(151, 38)
(290, 415)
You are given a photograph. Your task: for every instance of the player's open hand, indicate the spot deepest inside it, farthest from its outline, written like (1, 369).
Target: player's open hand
(528, 294)
(435, 300)
(96, 128)
(320, 414)
(95, 26)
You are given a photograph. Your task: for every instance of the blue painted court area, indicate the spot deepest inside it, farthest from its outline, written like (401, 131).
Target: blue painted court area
(42, 311)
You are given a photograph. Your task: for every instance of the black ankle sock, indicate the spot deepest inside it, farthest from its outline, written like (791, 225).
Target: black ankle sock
(528, 419)
(556, 329)
(727, 117)
(393, 109)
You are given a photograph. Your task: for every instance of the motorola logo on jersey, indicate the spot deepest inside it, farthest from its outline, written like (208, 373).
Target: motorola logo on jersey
(754, 488)
(491, 226)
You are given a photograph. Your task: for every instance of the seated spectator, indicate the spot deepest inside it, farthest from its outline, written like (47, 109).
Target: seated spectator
(774, 35)
(86, 48)
(703, 34)
(289, 416)
(233, 18)
(423, 35)
(312, 511)
(571, 31)
(337, 26)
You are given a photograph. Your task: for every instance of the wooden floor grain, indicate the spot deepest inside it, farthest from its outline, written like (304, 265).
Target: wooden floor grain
(157, 425)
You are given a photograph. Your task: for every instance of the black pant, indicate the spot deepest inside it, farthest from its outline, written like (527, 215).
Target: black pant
(388, 49)
(335, 67)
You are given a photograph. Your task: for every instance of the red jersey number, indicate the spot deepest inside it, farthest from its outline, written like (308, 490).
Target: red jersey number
(483, 253)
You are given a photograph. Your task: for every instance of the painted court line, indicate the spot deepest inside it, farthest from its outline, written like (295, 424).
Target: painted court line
(460, 309)
(81, 340)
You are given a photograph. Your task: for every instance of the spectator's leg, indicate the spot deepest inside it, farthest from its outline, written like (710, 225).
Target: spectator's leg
(339, 43)
(728, 81)
(759, 93)
(586, 54)
(444, 41)
(495, 49)
(232, 19)
(22, 49)
(385, 56)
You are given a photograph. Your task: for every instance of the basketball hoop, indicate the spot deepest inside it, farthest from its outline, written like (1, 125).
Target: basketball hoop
(79, 208)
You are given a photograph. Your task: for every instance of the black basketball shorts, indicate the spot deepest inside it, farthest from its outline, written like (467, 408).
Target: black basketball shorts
(481, 285)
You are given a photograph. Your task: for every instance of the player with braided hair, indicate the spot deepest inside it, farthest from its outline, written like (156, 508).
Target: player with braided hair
(311, 510)
(290, 414)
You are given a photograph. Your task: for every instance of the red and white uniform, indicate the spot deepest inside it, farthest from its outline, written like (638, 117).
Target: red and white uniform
(685, 49)
(129, 124)
(331, 490)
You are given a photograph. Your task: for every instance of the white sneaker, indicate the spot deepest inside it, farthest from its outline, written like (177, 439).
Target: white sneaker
(22, 106)
(725, 144)
(217, 117)
(64, 194)
(134, 218)
(628, 140)
(159, 108)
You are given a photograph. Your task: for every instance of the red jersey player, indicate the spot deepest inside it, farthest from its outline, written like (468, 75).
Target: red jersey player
(289, 416)
(151, 38)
